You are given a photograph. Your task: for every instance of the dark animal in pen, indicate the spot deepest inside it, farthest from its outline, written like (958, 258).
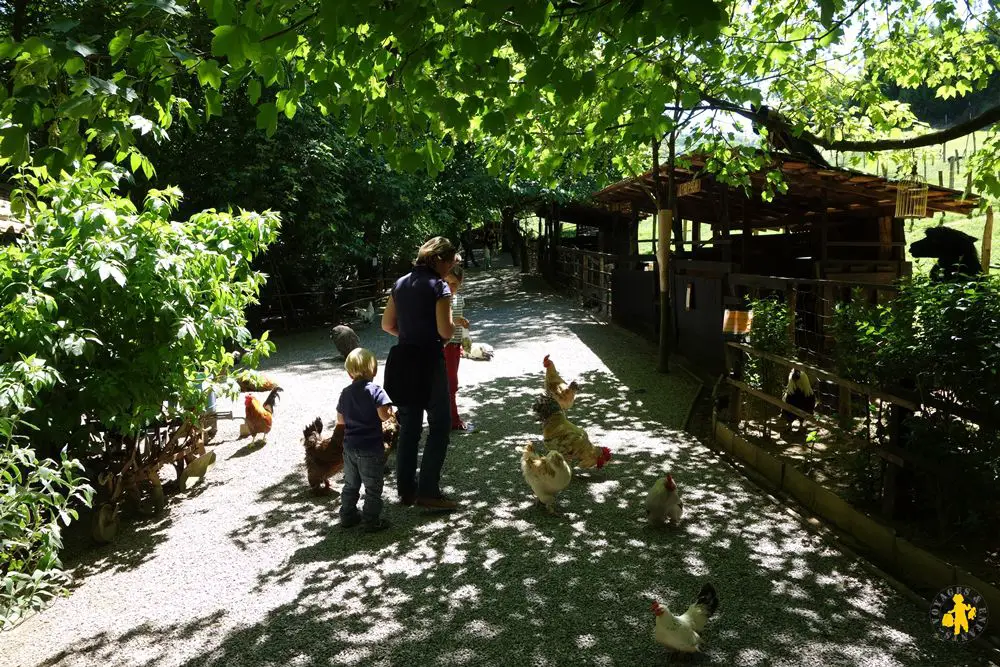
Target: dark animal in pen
(799, 394)
(955, 252)
(345, 339)
(781, 138)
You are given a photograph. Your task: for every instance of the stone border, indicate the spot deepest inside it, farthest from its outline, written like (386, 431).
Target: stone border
(910, 563)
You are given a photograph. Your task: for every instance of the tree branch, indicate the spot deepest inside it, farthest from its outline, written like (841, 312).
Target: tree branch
(294, 26)
(772, 122)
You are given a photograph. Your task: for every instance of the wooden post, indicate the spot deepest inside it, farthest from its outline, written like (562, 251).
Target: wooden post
(844, 407)
(885, 238)
(727, 247)
(988, 240)
(602, 282)
(791, 296)
(940, 178)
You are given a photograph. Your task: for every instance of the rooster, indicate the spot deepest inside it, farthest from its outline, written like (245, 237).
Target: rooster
(680, 633)
(258, 417)
(556, 388)
(567, 438)
(324, 457)
(663, 502)
(546, 475)
(798, 393)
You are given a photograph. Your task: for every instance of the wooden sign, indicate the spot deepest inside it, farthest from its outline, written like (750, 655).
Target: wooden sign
(737, 322)
(689, 187)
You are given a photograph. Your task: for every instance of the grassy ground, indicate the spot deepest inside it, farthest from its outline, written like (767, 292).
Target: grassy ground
(249, 569)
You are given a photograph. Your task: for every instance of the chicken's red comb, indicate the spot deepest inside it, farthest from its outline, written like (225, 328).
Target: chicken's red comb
(604, 457)
(545, 362)
(655, 606)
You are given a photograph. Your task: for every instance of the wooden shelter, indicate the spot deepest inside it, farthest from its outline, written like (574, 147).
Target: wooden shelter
(832, 229)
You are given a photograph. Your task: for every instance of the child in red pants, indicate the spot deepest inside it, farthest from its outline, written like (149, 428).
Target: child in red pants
(453, 349)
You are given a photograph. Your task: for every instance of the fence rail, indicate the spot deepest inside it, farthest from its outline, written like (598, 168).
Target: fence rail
(812, 302)
(588, 273)
(884, 439)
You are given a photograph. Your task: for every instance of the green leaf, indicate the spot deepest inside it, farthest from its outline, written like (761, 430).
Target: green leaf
(267, 118)
(826, 8)
(253, 91)
(411, 161)
(119, 43)
(84, 50)
(142, 125)
(494, 123)
(74, 65)
(213, 103)
(232, 42)
(690, 99)
(209, 74)
(14, 144)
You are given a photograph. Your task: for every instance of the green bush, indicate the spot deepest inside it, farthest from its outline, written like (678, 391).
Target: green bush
(38, 498)
(941, 340)
(130, 308)
(770, 332)
(112, 314)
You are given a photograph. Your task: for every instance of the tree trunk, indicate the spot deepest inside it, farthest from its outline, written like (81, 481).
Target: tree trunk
(20, 16)
(664, 219)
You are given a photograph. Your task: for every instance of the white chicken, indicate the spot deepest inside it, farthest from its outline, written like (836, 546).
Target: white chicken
(680, 633)
(546, 475)
(480, 352)
(663, 502)
(365, 315)
(475, 351)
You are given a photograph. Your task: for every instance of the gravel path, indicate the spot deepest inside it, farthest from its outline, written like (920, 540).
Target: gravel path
(248, 569)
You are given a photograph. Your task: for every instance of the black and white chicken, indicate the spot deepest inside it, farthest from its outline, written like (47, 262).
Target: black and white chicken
(799, 394)
(681, 633)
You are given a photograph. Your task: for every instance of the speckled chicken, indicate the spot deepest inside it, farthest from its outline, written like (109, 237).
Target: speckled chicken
(546, 475)
(566, 438)
(556, 387)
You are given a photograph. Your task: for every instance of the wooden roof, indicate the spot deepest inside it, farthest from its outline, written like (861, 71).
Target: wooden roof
(812, 191)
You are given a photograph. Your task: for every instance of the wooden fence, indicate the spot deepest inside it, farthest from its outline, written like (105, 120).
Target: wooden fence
(812, 303)
(287, 311)
(588, 274)
(891, 448)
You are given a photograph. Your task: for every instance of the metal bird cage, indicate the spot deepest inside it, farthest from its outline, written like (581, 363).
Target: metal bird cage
(911, 196)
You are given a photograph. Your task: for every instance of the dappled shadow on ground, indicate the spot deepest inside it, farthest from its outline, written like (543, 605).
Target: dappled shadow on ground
(136, 542)
(503, 583)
